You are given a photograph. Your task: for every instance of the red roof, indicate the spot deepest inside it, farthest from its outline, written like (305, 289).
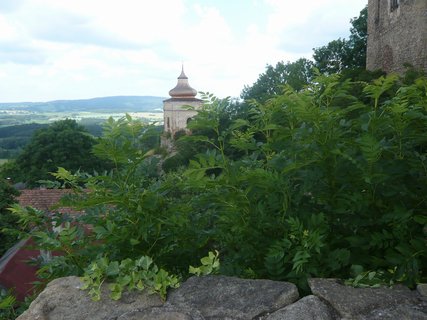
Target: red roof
(15, 272)
(14, 269)
(44, 199)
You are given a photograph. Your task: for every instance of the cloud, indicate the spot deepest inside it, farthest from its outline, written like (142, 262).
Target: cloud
(316, 23)
(15, 45)
(84, 48)
(10, 5)
(125, 24)
(13, 52)
(64, 27)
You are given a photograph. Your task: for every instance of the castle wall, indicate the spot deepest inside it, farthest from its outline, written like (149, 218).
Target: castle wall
(397, 36)
(175, 114)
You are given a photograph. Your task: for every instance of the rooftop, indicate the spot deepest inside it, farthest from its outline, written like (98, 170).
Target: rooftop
(183, 90)
(44, 199)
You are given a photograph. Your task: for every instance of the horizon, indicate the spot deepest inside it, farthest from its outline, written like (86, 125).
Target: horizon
(76, 99)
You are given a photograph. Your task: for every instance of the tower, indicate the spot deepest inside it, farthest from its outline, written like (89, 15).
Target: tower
(175, 110)
(397, 34)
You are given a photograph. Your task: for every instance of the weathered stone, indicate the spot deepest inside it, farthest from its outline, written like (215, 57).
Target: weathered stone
(227, 298)
(422, 289)
(401, 312)
(370, 303)
(220, 297)
(308, 308)
(161, 313)
(397, 36)
(64, 300)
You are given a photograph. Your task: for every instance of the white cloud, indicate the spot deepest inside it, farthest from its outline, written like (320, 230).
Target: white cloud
(53, 49)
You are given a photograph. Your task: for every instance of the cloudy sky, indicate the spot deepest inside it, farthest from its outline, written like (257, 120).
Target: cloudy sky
(73, 49)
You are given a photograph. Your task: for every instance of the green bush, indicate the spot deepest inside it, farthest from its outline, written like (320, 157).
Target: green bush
(326, 184)
(8, 221)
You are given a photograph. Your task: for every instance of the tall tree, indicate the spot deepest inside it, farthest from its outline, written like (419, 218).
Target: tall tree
(62, 144)
(270, 83)
(342, 54)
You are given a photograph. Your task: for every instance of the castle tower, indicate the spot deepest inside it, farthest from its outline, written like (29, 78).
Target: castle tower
(397, 34)
(175, 113)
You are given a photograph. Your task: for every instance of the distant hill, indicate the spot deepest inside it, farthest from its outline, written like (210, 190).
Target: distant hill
(103, 104)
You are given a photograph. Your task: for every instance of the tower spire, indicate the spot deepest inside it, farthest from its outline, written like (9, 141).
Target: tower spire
(183, 88)
(182, 75)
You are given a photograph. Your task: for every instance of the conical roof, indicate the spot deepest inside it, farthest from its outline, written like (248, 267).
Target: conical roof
(182, 88)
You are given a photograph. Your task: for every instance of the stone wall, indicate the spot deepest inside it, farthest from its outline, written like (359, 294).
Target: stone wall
(175, 114)
(229, 298)
(397, 36)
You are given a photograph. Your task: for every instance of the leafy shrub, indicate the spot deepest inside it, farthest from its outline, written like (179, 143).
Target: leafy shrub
(8, 221)
(314, 183)
(129, 274)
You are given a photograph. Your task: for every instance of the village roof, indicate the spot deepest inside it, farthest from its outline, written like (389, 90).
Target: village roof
(44, 199)
(14, 270)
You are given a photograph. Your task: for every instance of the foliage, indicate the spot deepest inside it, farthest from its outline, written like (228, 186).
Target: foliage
(296, 74)
(218, 112)
(67, 247)
(332, 180)
(319, 182)
(342, 54)
(62, 144)
(129, 274)
(8, 221)
(10, 308)
(363, 279)
(210, 265)
(7, 305)
(14, 137)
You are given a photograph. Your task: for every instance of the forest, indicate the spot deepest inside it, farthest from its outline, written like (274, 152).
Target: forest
(319, 171)
(16, 130)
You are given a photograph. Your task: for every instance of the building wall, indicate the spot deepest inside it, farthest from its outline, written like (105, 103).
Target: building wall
(175, 114)
(398, 36)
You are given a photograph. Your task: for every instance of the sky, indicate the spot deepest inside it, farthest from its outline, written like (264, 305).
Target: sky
(78, 49)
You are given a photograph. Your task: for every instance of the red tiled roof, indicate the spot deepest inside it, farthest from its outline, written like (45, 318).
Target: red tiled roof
(14, 271)
(44, 199)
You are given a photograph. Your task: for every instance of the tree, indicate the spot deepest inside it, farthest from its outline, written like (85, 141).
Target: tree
(7, 219)
(359, 39)
(337, 56)
(62, 144)
(342, 54)
(296, 74)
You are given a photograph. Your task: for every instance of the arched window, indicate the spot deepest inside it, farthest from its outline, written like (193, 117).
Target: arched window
(168, 123)
(189, 120)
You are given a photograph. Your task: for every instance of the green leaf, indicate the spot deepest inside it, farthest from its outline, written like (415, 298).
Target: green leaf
(144, 262)
(100, 231)
(113, 269)
(421, 219)
(371, 148)
(116, 291)
(134, 242)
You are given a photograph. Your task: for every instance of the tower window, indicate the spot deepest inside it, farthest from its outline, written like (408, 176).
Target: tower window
(377, 15)
(168, 124)
(394, 4)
